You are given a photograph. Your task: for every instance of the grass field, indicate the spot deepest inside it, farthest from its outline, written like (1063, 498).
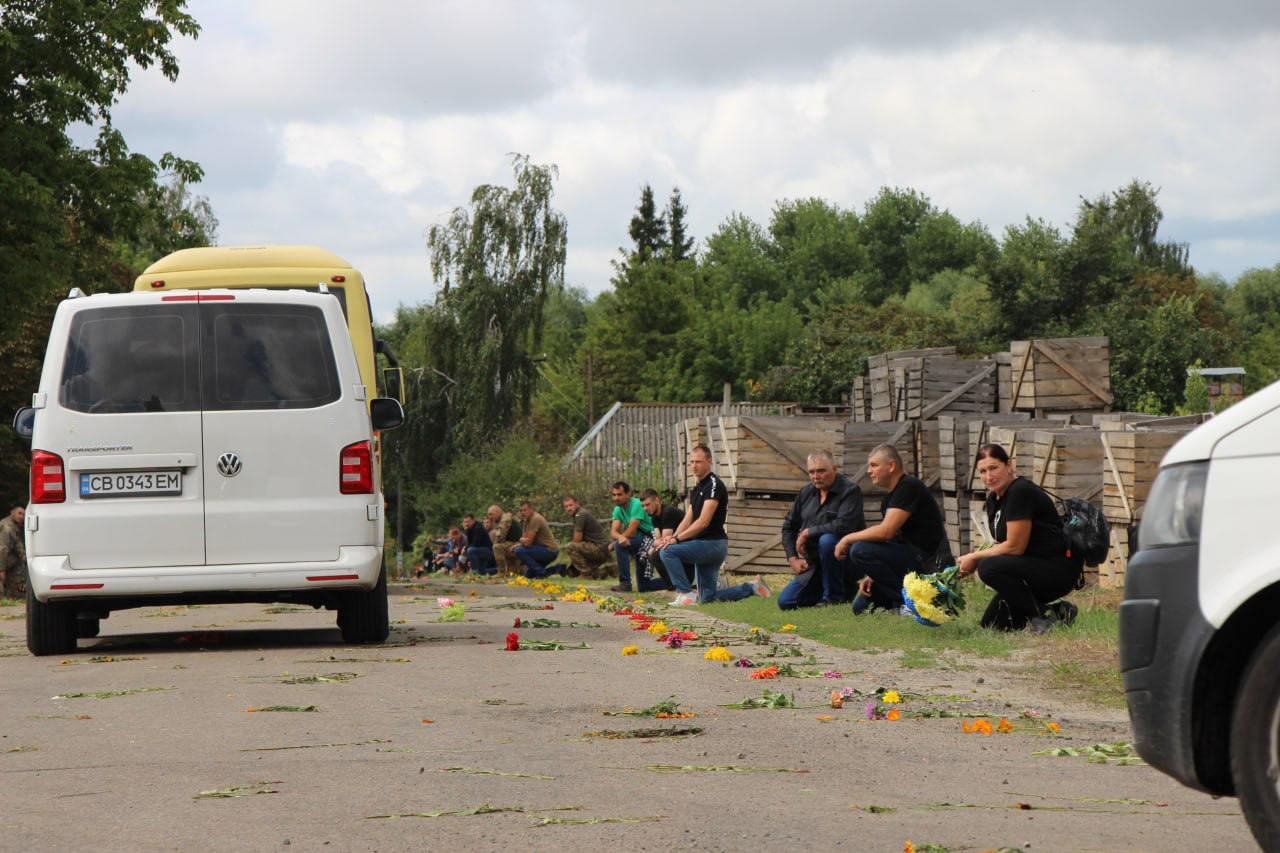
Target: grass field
(1083, 658)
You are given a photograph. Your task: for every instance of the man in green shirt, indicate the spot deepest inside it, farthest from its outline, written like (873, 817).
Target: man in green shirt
(632, 532)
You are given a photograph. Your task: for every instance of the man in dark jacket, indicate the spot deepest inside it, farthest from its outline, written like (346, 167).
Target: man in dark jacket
(825, 510)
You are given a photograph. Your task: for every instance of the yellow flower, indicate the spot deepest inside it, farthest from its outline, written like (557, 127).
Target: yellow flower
(891, 697)
(657, 628)
(630, 650)
(787, 627)
(922, 594)
(719, 653)
(552, 589)
(755, 630)
(579, 594)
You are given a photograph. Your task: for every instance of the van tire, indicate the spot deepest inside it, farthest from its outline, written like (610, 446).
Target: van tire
(1255, 742)
(362, 616)
(51, 626)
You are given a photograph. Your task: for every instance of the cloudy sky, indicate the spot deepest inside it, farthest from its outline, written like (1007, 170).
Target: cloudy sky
(358, 125)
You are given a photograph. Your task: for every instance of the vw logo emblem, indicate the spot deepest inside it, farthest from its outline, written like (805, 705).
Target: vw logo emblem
(228, 464)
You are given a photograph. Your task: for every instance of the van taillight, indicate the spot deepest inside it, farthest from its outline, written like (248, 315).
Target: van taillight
(355, 469)
(46, 478)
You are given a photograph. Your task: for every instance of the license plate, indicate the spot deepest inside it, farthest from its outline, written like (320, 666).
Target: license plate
(127, 484)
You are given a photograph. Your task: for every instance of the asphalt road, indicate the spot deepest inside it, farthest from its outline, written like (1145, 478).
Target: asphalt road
(444, 720)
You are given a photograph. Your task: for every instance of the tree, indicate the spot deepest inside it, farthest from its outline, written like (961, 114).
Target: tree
(648, 230)
(70, 215)
(887, 224)
(680, 244)
(497, 261)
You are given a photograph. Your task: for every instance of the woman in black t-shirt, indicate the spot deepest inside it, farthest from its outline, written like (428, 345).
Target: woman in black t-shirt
(1028, 566)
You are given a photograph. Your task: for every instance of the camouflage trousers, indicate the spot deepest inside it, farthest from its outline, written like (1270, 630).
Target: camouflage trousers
(507, 562)
(15, 582)
(591, 560)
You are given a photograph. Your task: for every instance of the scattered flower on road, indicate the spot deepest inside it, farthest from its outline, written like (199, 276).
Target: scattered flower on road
(719, 653)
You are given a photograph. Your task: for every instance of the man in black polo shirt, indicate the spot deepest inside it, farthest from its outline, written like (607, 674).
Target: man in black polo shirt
(700, 540)
(909, 538)
(665, 519)
(825, 510)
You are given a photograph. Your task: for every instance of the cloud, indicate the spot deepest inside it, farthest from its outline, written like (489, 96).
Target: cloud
(360, 129)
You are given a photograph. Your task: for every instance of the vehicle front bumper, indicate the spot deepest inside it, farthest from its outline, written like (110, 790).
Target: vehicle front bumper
(1163, 635)
(52, 578)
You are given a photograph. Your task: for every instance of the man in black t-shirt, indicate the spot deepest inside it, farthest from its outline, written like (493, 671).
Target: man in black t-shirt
(479, 546)
(699, 539)
(909, 538)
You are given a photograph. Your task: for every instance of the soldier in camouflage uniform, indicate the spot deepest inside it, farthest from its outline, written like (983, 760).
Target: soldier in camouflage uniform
(13, 554)
(505, 534)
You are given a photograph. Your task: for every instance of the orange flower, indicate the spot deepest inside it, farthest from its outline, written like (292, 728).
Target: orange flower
(679, 715)
(1004, 726)
(894, 714)
(767, 672)
(1053, 727)
(825, 718)
(908, 847)
(968, 729)
(982, 727)
(837, 701)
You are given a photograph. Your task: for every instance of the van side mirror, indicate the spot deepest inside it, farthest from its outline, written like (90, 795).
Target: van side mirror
(24, 422)
(393, 383)
(386, 413)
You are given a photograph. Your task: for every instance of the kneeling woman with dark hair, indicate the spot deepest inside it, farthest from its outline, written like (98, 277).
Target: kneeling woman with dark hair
(1028, 567)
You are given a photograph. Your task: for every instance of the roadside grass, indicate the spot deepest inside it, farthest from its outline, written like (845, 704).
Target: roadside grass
(1082, 659)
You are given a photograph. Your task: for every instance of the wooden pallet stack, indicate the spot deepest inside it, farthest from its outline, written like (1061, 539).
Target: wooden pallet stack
(887, 377)
(1132, 459)
(1059, 375)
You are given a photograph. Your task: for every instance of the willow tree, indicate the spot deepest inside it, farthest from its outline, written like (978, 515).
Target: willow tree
(496, 262)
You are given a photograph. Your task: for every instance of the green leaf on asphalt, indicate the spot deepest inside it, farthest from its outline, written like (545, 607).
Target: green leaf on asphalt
(112, 694)
(238, 791)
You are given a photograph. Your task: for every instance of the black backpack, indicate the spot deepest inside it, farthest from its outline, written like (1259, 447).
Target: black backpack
(1085, 529)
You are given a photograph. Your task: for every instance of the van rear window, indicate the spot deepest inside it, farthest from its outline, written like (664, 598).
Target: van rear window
(267, 357)
(132, 360)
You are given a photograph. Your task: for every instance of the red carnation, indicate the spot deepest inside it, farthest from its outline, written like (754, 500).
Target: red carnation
(517, 625)
(513, 642)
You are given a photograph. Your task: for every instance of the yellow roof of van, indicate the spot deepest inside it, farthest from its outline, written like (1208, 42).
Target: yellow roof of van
(243, 257)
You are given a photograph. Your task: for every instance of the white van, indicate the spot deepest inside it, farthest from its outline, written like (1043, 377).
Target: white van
(1200, 623)
(202, 447)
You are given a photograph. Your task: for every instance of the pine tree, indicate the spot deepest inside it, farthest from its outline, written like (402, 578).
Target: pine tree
(680, 245)
(648, 229)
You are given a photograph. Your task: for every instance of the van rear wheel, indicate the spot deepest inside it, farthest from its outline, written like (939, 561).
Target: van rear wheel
(1255, 743)
(51, 626)
(362, 616)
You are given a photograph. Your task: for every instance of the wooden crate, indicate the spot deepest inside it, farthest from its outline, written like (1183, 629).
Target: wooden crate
(928, 454)
(938, 384)
(1060, 375)
(754, 527)
(955, 515)
(1004, 380)
(1111, 571)
(1015, 436)
(886, 377)
(1131, 462)
(955, 452)
(860, 399)
(1068, 463)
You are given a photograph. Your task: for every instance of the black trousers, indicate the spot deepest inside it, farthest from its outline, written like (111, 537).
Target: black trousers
(1024, 585)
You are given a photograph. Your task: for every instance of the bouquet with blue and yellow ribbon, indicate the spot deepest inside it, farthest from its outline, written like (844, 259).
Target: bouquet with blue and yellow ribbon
(935, 598)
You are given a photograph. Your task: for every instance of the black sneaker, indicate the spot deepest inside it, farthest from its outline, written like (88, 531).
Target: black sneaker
(1064, 611)
(1040, 624)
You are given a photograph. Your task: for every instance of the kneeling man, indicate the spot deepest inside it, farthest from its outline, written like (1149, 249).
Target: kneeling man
(910, 537)
(829, 507)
